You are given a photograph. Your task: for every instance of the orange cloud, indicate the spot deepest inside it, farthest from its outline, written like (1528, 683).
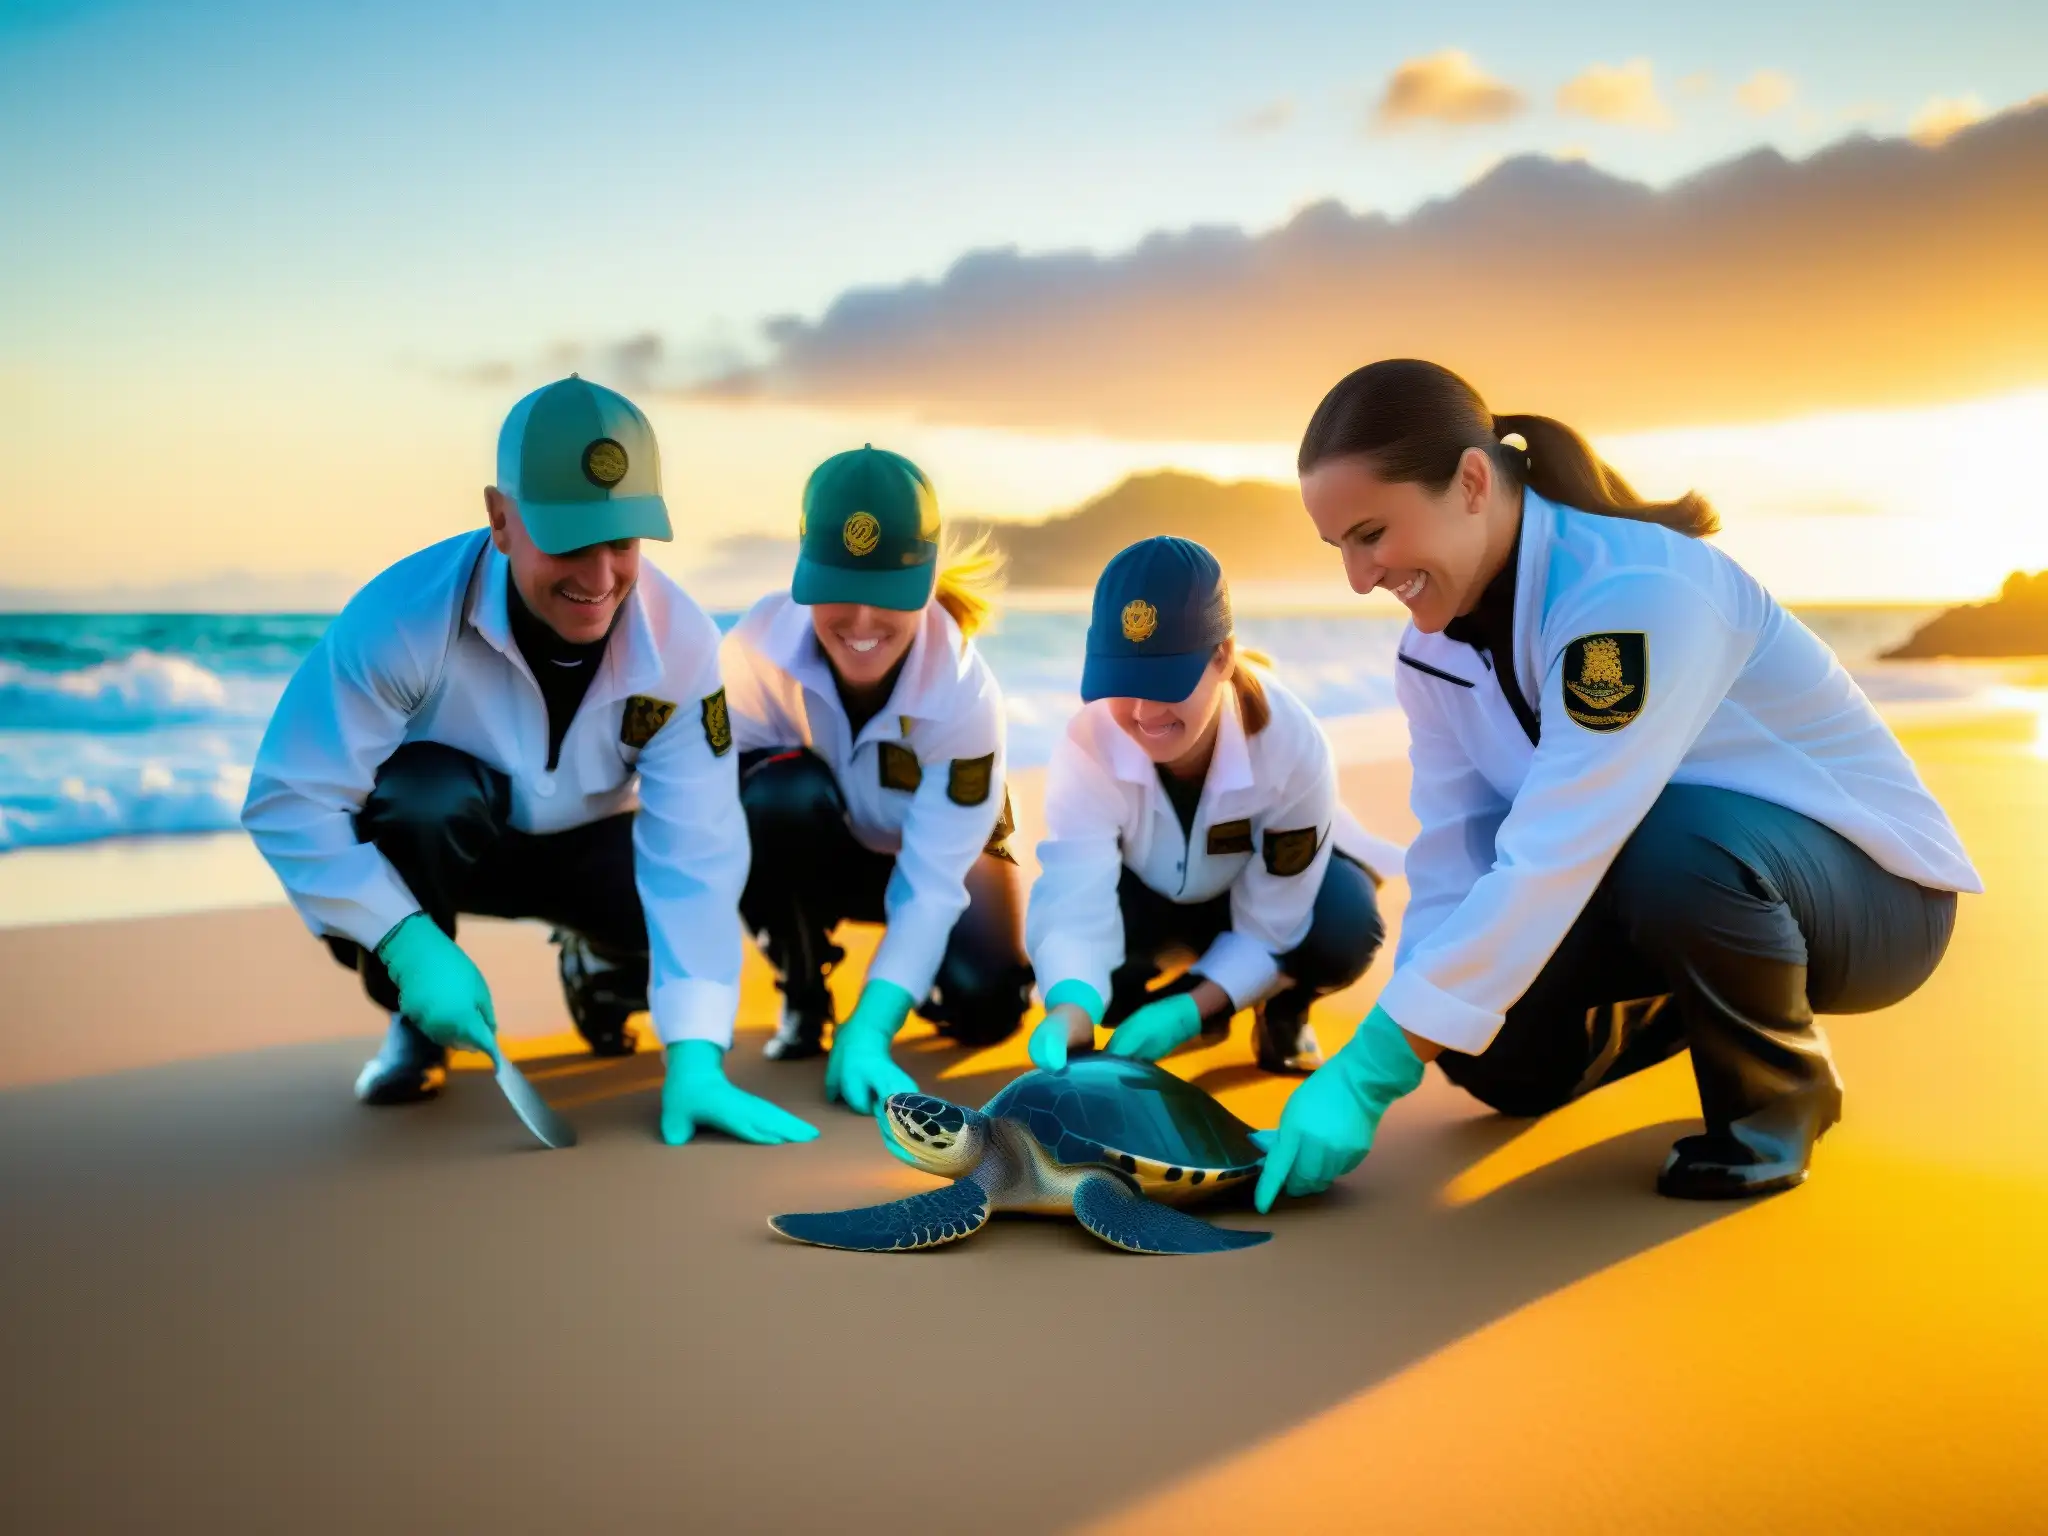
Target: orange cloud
(1444, 87)
(1877, 272)
(1765, 92)
(1625, 93)
(1943, 117)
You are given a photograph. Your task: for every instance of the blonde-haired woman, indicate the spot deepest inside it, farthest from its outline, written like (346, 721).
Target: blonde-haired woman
(872, 773)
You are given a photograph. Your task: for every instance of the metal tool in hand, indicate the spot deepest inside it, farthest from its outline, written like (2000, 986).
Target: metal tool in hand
(539, 1116)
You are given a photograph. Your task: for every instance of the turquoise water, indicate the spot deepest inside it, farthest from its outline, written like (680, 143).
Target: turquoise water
(139, 724)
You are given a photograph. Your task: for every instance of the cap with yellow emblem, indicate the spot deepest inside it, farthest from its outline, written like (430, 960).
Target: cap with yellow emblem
(580, 461)
(870, 532)
(1161, 609)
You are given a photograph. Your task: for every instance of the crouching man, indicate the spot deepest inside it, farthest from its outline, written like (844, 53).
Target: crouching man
(522, 722)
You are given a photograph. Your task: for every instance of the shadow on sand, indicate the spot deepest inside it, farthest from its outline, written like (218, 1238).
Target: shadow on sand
(270, 1308)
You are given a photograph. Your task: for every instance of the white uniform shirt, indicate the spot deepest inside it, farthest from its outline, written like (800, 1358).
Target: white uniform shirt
(425, 653)
(1737, 694)
(923, 780)
(1262, 831)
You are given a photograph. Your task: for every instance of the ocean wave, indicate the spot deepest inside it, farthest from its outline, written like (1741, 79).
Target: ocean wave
(143, 691)
(135, 799)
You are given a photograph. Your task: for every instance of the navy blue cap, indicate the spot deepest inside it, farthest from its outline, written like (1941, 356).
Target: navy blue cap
(1161, 609)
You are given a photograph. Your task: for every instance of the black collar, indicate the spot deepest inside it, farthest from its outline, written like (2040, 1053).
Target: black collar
(543, 649)
(1490, 629)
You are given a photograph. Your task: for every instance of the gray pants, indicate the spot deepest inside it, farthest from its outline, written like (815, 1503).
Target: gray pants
(1746, 919)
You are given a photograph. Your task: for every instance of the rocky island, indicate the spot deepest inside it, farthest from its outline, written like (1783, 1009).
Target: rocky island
(2014, 623)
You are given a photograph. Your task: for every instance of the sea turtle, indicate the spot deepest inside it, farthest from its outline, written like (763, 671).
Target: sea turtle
(1107, 1138)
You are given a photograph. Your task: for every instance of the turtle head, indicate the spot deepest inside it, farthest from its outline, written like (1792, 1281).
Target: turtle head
(938, 1137)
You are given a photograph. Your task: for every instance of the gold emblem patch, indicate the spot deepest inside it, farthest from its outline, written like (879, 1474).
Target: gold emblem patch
(861, 534)
(998, 842)
(1140, 619)
(900, 768)
(717, 724)
(1289, 853)
(604, 463)
(1606, 679)
(1228, 837)
(967, 782)
(644, 716)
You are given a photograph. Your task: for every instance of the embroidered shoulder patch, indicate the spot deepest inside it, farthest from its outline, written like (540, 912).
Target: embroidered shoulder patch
(899, 768)
(1607, 679)
(1230, 837)
(967, 782)
(998, 842)
(644, 716)
(1289, 853)
(717, 724)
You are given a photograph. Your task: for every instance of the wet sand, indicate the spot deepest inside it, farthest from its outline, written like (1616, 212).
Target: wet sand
(232, 1299)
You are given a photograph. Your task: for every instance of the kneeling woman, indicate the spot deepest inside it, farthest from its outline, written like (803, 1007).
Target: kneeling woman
(1656, 814)
(1192, 807)
(871, 770)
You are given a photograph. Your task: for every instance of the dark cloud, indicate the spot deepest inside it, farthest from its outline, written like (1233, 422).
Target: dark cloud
(1876, 272)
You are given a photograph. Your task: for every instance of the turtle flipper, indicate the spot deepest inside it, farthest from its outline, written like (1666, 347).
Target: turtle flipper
(1122, 1217)
(921, 1221)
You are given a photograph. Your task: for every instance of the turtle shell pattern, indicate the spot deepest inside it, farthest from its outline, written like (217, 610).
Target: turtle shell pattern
(1168, 1135)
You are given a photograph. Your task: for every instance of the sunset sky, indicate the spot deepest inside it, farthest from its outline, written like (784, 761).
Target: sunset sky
(272, 274)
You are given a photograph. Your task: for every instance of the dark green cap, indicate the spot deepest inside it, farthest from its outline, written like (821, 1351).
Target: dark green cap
(870, 532)
(580, 461)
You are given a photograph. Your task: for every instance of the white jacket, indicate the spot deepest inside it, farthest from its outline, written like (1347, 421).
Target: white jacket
(425, 653)
(924, 779)
(1737, 694)
(1264, 797)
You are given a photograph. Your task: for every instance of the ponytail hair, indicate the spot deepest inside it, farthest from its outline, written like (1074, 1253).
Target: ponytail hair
(1414, 421)
(969, 585)
(1253, 707)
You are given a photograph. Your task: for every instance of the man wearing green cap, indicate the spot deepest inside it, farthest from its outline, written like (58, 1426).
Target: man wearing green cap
(523, 722)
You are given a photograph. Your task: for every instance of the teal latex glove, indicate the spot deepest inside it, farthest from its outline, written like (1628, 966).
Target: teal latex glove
(696, 1095)
(859, 1070)
(1053, 1038)
(1157, 1028)
(440, 990)
(1329, 1123)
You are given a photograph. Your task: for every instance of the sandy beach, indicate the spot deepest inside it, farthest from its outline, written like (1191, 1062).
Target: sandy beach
(232, 1299)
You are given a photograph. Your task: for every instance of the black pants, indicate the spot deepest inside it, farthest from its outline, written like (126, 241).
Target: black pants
(1746, 919)
(810, 874)
(1343, 936)
(443, 820)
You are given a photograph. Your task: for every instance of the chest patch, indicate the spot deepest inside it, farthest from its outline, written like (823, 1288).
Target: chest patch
(1230, 837)
(967, 781)
(1607, 679)
(1289, 853)
(717, 724)
(899, 767)
(644, 716)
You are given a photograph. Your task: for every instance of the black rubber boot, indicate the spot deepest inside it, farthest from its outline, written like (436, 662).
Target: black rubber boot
(408, 1068)
(603, 989)
(1768, 1085)
(803, 957)
(1283, 1040)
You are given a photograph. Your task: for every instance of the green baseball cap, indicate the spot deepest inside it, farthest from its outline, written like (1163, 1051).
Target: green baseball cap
(581, 462)
(870, 532)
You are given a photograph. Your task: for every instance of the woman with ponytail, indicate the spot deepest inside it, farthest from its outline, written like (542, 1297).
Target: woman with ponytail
(1656, 814)
(1191, 809)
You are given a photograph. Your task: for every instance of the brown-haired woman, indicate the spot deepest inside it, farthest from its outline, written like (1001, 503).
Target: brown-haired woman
(1656, 814)
(1192, 807)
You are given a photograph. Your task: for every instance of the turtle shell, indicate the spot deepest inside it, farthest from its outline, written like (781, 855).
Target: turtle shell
(1134, 1116)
